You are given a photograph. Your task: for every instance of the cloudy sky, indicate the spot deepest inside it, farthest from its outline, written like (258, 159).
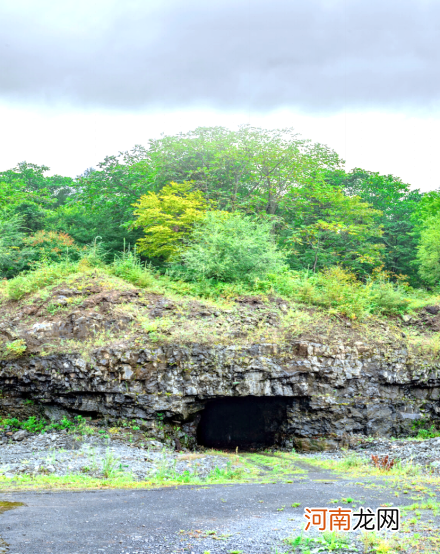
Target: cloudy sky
(82, 79)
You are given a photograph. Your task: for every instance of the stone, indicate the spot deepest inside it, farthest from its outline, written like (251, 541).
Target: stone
(326, 389)
(55, 413)
(20, 435)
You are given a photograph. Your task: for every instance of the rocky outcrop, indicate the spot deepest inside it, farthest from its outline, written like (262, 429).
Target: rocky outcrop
(328, 390)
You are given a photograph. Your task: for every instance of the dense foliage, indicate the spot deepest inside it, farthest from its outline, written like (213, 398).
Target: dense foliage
(226, 206)
(229, 247)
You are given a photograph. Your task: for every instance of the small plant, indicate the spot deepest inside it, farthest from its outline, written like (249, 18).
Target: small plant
(430, 433)
(16, 348)
(296, 504)
(330, 540)
(109, 464)
(384, 463)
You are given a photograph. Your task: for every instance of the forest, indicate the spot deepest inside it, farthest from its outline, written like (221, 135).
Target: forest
(217, 212)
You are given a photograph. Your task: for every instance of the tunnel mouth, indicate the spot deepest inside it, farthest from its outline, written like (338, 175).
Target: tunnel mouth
(248, 422)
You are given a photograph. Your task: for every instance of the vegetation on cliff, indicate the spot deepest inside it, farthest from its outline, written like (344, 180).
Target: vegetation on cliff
(215, 215)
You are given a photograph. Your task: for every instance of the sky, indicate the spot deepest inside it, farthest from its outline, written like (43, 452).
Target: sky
(80, 80)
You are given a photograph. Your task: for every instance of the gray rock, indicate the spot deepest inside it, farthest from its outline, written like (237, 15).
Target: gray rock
(317, 389)
(55, 413)
(20, 435)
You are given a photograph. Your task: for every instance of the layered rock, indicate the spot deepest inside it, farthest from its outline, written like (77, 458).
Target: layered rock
(327, 390)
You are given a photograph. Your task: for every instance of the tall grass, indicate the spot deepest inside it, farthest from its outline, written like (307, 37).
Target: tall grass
(42, 276)
(128, 266)
(335, 289)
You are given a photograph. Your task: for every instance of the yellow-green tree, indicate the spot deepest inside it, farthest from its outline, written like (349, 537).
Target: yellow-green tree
(168, 218)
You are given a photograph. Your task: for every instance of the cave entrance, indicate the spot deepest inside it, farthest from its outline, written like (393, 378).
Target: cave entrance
(246, 422)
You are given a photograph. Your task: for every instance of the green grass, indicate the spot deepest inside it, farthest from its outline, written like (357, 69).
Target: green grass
(114, 477)
(354, 463)
(335, 289)
(329, 541)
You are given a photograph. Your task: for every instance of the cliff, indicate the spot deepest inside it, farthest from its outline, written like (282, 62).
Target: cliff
(258, 370)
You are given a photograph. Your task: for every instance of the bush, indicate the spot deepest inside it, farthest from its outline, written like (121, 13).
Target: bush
(52, 246)
(335, 289)
(42, 276)
(229, 248)
(16, 348)
(389, 298)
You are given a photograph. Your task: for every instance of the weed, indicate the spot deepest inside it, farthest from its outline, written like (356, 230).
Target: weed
(16, 348)
(384, 463)
(109, 464)
(330, 540)
(351, 461)
(375, 543)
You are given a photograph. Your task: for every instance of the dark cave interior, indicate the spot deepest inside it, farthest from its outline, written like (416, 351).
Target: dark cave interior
(244, 422)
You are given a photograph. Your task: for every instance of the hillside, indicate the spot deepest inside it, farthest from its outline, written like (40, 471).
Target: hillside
(93, 308)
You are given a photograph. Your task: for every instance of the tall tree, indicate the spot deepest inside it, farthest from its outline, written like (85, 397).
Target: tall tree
(397, 202)
(251, 169)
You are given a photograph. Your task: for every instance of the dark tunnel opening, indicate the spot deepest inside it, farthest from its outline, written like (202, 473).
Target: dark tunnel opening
(246, 422)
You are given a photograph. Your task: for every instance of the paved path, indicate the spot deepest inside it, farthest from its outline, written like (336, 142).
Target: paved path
(253, 518)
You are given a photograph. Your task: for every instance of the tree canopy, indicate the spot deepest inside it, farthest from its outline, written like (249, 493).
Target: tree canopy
(160, 196)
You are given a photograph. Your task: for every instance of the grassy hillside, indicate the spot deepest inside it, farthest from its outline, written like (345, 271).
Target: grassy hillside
(127, 303)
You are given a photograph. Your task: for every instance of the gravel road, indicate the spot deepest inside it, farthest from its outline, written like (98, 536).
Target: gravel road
(234, 518)
(245, 518)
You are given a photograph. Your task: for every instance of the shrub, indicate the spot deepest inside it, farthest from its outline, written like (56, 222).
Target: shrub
(229, 248)
(335, 288)
(52, 246)
(42, 276)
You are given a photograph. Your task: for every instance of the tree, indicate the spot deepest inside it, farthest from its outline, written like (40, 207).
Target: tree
(13, 258)
(428, 251)
(229, 247)
(397, 203)
(251, 169)
(332, 228)
(27, 192)
(168, 218)
(104, 198)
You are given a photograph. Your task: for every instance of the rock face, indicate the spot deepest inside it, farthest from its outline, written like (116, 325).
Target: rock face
(319, 391)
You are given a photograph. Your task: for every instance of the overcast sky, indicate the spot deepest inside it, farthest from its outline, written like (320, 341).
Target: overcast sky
(82, 79)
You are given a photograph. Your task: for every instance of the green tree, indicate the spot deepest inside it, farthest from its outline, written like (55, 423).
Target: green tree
(230, 247)
(428, 251)
(27, 192)
(397, 203)
(251, 169)
(333, 228)
(13, 257)
(104, 200)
